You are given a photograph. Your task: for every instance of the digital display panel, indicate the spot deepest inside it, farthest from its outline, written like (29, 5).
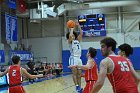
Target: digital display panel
(93, 25)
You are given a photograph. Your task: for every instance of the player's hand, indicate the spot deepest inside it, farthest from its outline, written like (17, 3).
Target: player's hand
(71, 29)
(82, 75)
(40, 75)
(28, 68)
(77, 23)
(71, 66)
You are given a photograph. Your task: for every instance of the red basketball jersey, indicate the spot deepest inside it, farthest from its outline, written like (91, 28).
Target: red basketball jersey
(121, 78)
(15, 76)
(91, 74)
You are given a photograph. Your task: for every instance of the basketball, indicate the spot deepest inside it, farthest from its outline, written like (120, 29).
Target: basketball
(71, 24)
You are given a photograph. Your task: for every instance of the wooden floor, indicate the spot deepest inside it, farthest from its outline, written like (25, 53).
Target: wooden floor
(60, 85)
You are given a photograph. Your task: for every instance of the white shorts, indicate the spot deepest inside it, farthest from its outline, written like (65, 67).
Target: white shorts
(74, 60)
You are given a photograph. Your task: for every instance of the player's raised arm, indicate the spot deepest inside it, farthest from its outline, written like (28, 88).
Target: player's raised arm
(4, 73)
(81, 32)
(71, 26)
(70, 35)
(24, 71)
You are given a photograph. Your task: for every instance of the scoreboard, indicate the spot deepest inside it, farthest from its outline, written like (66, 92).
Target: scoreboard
(93, 25)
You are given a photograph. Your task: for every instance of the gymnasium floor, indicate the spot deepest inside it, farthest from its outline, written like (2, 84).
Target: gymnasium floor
(60, 85)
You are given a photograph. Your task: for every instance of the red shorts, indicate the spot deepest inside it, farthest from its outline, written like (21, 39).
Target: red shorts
(89, 86)
(16, 89)
(132, 90)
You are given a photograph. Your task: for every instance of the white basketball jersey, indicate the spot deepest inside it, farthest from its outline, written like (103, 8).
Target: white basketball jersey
(75, 48)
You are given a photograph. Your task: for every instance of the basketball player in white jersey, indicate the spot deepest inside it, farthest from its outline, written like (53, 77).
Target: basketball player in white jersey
(75, 50)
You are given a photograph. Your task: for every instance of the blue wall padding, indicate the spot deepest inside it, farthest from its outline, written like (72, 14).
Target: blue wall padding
(66, 54)
(135, 58)
(65, 60)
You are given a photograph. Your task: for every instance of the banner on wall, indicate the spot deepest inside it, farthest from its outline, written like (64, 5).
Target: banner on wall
(8, 27)
(2, 58)
(11, 28)
(12, 4)
(24, 55)
(14, 28)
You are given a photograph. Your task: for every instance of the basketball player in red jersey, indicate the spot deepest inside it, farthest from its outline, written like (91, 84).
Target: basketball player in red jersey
(15, 74)
(126, 50)
(117, 69)
(90, 70)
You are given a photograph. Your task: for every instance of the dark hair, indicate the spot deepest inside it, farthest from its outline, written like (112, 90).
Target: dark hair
(15, 59)
(109, 42)
(126, 48)
(75, 34)
(92, 52)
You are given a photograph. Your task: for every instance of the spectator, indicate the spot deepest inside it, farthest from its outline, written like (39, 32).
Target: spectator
(31, 68)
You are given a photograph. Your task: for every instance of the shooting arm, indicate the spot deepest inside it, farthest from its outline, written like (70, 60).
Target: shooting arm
(70, 35)
(81, 32)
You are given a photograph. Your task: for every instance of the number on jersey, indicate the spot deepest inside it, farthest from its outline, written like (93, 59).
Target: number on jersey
(124, 66)
(14, 73)
(78, 46)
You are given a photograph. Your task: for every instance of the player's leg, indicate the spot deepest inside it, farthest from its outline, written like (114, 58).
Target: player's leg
(79, 89)
(74, 70)
(86, 89)
(74, 75)
(79, 72)
(91, 84)
(19, 89)
(22, 90)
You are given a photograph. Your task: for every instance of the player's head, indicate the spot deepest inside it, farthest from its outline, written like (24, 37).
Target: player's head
(16, 59)
(91, 52)
(31, 59)
(125, 50)
(74, 35)
(108, 45)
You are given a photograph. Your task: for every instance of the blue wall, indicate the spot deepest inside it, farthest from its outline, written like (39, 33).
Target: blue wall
(135, 58)
(66, 54)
